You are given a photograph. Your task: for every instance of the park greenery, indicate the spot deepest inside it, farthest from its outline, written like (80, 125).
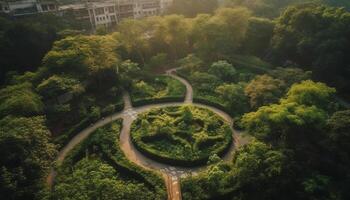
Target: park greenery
(284, 161)
(279, 68)
(185, 135)
(157, 89)
(98, 169)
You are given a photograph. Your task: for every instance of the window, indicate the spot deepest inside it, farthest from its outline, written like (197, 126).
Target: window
(52, 7)
(44, 7)
(99, 11)
(111, 9)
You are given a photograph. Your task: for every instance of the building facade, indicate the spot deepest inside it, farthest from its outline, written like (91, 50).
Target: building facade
(97, 13)
(146, 8)
(28, 7)
(165, 4)
(109, 13)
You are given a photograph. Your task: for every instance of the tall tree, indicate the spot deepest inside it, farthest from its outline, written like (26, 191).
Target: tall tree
(20, 100)
(221, 34)
(264, 90)
(315, 37)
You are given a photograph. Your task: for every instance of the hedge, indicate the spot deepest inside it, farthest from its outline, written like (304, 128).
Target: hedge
(63, 140)
(142, 102)
(204, 101)
(183, 163)
(151, 180)
(121, 164)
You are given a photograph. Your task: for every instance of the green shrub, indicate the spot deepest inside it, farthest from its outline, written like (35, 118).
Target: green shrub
(63, 139)
(181, 135)
(160, 89)
(108, 110)
(103, 145)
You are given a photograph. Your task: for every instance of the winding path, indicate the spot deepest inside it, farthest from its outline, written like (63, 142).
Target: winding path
(171, 174)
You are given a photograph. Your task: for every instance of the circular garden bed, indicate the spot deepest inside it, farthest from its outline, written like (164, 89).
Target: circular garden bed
(181, 135)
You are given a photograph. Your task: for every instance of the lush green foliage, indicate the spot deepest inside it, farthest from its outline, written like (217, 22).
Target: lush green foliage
(258, 36)
(234, 97)
(181, 135)
(20, 100)
(253, 174)
(315, 37)
(264, 90)
(102, 171)
(26, 156)
(210, 36)
(272, 8)
(210, 84)
(299, 113)
(95, 179)
(82, 56)
(339, 125)
(157, 87)
(302, 142)
(290, 75)
(25, 41)
(57, 85)
(82, 79)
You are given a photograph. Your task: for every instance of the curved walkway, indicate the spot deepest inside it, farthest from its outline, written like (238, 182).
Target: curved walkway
(171, 174)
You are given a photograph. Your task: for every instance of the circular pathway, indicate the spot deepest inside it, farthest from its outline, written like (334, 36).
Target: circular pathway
(171, 174)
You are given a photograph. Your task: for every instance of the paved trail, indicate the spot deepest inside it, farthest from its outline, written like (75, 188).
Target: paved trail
(171, 174)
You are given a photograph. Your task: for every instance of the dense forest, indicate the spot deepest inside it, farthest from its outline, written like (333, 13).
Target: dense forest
(279, 69)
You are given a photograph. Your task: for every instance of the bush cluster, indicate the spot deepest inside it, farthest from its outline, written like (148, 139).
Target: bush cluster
(157, 89)
(181, 136)
(103, 146)
(92, 118)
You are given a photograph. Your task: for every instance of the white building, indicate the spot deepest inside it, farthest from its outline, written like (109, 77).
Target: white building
(109, 13)
(103, 14)
(145, 8)
(165, 4)
(28, 7)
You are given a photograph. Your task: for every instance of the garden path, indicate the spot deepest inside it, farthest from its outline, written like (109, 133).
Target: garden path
(171, 174)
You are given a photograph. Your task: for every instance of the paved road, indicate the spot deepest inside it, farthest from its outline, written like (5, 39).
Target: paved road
(171, 174)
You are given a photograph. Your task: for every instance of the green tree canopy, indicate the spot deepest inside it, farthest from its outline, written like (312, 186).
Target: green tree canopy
(191, 63)
(223, 70)
(82, 55)
(264, 90)
(233, 95)
(283, 122)
(259, 169)
(339, 131)
(95, 179)
(20, 100)
(311, 94)
(300, 113)
(315, 37)
(290, 75)
(28, 158)
(258, 36)
(221, 34)
(58, 85)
